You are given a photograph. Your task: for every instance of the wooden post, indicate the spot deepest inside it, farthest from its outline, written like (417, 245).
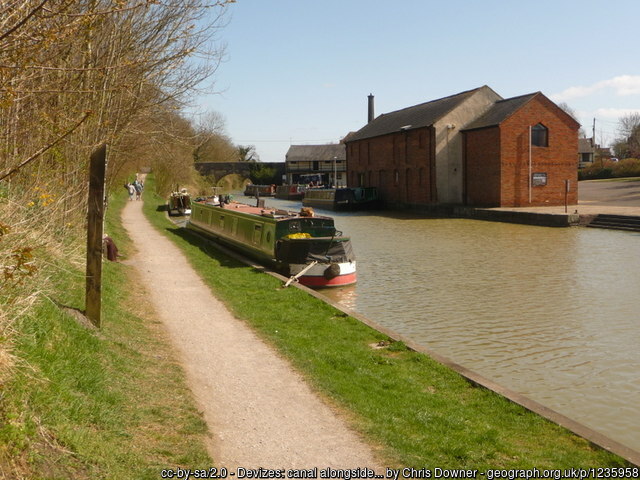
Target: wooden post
(95, 217)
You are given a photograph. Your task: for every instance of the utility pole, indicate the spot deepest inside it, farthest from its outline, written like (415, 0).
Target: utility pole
(593, 134)
(530, 166)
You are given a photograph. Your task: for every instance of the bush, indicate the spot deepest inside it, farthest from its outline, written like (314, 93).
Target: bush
(263, 175)
(593, 172)
(629, 167)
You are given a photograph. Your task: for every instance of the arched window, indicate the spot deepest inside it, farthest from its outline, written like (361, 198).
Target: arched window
(539, 135)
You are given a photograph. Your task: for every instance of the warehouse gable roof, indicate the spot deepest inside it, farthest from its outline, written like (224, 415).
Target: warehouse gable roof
(308, 153)
(503, 109)
(422, 115)
(500, 111)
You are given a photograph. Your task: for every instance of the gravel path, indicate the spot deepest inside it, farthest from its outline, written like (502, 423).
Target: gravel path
(259, 411)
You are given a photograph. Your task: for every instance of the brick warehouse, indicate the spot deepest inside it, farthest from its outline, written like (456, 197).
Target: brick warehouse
(473, 148)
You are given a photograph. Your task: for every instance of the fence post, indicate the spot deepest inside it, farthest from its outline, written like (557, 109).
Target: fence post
(95, 217)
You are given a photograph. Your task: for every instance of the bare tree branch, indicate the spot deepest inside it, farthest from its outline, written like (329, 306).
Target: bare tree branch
(23, 21)
(44, 149)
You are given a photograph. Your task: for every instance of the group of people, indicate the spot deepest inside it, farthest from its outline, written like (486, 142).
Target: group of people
(134, 189)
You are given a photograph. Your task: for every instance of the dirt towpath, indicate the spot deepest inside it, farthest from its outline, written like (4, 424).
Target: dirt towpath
(259, 411)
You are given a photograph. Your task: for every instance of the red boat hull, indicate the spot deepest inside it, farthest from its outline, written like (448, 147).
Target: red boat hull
(321, 281)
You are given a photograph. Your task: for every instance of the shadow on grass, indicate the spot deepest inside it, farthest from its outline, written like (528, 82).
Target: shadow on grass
(80, 316)
(207, 246)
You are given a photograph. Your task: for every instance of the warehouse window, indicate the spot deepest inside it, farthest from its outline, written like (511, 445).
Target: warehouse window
(539, 136)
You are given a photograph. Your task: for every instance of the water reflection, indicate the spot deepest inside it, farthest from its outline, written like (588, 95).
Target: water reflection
(551, 313)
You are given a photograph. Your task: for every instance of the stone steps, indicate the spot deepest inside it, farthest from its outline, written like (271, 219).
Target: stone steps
(616, 222)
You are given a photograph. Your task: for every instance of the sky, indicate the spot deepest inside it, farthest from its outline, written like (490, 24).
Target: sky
(299, 71)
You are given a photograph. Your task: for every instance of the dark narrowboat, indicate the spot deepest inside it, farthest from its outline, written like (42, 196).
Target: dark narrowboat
(252, 190)
(290, 192)
(358, 198)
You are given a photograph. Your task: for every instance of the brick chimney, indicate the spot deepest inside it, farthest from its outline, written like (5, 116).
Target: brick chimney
(370, 115)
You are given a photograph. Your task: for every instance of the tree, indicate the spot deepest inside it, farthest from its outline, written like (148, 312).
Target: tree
(211, 143)
(216, 148)
(248, 154)
(75, 74)
(262, 175)
(121, 60)
(565, 106)
(627, 145)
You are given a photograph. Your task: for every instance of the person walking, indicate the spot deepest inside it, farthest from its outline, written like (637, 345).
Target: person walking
(138, 188)
(131, 189)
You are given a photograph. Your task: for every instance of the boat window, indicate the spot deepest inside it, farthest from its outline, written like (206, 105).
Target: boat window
(222, 220)
(268, 237)
(257, 233)
(294, 226)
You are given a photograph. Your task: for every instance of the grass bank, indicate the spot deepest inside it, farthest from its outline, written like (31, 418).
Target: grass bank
(620, 179)
(416, 411)
(96, 404)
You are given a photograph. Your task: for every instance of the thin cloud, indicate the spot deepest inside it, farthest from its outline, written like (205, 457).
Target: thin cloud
(615, 112)
(622, 85)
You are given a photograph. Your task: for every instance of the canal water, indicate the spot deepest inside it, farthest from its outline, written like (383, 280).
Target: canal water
(552, 313)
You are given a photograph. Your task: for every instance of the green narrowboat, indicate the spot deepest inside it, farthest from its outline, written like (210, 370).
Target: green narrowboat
(296, 244)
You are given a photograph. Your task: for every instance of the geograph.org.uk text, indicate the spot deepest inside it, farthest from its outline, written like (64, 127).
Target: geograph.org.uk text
(402, 473)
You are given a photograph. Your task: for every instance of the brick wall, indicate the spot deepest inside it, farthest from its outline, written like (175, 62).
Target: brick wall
(400, 165)
(558, 160)
(481, 152)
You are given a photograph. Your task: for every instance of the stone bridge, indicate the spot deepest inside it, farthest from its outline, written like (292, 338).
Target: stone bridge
(221, 169)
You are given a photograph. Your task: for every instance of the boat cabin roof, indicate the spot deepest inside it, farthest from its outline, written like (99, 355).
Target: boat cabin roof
(277, 213)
